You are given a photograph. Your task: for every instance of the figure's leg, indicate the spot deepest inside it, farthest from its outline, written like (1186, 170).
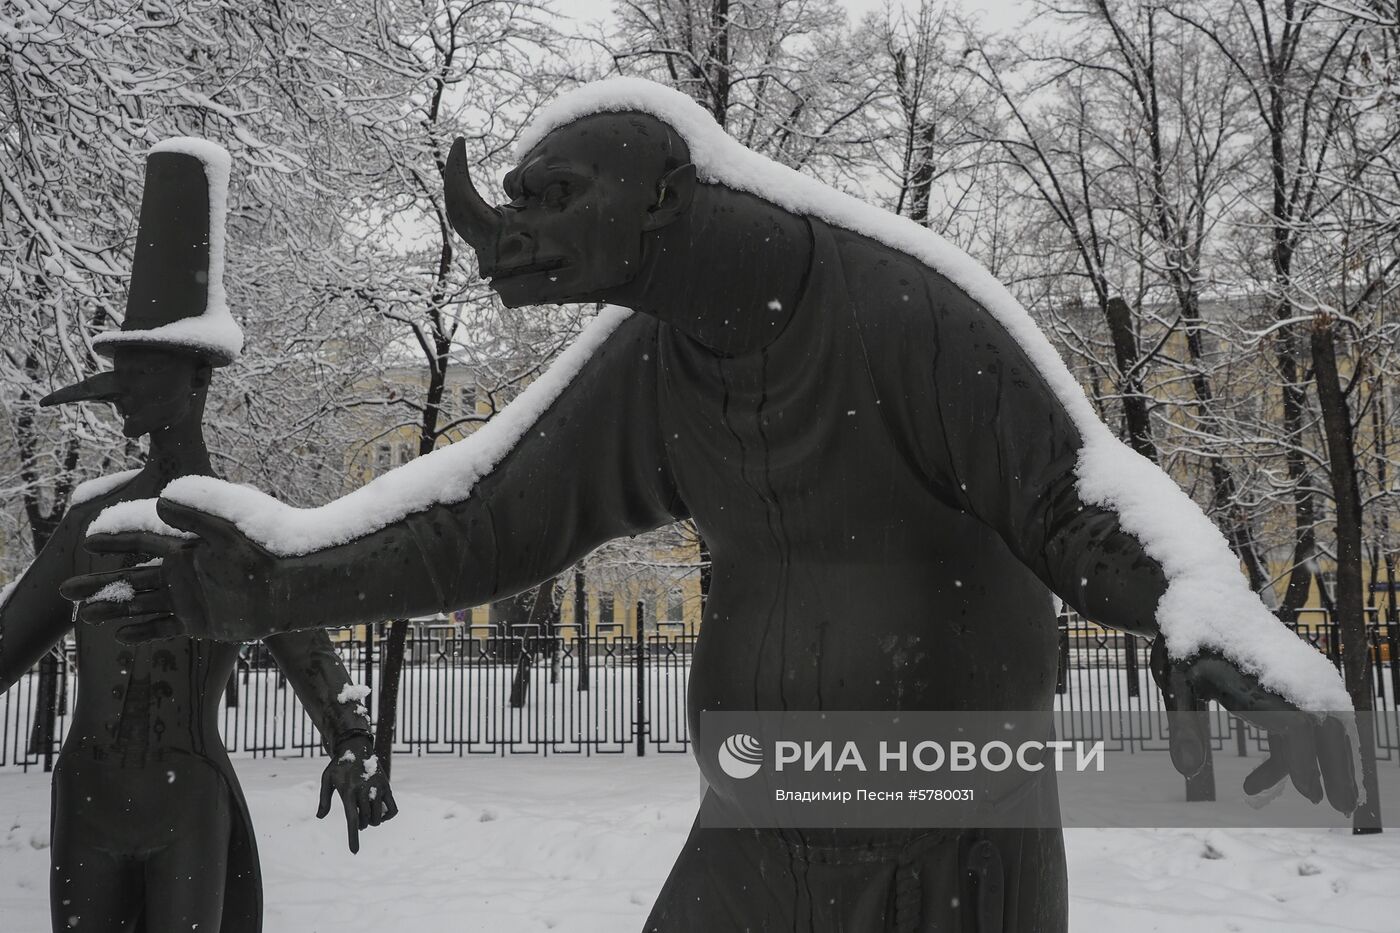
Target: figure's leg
(90, 889)
(185, 878)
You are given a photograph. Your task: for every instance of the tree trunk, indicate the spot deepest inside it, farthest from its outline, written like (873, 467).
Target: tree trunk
(1300, 576)
(706, 573)
(581, 621)
(1126, 356)
(1349, 599)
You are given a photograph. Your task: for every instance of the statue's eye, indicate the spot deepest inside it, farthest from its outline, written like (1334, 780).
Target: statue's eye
(555, 194)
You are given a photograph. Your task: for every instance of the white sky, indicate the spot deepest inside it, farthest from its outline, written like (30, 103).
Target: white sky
(996, 15)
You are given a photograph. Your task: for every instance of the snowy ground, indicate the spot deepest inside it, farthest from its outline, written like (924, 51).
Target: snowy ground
(517, 845)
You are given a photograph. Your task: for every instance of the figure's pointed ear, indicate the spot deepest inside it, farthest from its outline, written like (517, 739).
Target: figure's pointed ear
(673, 197)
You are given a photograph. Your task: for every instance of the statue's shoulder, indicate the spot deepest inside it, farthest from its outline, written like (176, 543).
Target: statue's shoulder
(92, 496)
(892, 287)
(102, 491)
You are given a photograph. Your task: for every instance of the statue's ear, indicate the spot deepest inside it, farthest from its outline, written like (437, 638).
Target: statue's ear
(673, 197)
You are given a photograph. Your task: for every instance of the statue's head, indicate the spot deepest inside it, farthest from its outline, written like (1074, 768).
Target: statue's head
(153, 388)
(581, 203)
(158, 388)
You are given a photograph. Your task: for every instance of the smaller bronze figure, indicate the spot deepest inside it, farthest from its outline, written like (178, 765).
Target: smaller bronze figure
(150, 830)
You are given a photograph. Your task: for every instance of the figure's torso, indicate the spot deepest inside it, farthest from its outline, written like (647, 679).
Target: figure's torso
(138, 704)
(841, 579)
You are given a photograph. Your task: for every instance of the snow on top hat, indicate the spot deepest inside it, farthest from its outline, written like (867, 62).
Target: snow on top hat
(176, 299)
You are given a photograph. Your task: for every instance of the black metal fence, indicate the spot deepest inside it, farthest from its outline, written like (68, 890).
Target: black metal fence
(485, 690)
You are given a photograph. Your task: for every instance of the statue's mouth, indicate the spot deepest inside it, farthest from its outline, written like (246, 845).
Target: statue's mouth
(532, 268)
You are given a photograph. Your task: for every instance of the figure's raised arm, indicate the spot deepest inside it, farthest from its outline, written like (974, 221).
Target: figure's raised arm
(33, 615)
(574, 461)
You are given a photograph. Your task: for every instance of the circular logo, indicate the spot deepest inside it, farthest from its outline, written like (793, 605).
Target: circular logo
(740, 756)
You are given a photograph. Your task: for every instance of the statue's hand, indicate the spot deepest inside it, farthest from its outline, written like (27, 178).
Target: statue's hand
(1313, 749)
(215, 585)
(364, 789)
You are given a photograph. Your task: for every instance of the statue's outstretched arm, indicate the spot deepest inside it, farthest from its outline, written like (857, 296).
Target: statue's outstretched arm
(588, 469)
(995, 440)
(33, 614)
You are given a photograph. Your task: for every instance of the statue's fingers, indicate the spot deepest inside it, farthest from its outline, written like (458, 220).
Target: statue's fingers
(373, 809)
(212, 528)
(352, 822)
(1334, 753)
(87, 585)
(1272, 771)
(323, 806)
(391, 809)
(151, 602)
(1186, 738)
(1302, 764)
(150, 628)
(134, 542)
(366, 805)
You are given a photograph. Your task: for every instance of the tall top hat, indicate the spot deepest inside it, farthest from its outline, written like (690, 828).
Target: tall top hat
(176, 298)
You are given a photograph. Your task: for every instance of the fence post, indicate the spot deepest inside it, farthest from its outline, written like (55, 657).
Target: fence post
(1130, 664)
(367, 669)
(641, 680)
(1062, 668)
(581, 620)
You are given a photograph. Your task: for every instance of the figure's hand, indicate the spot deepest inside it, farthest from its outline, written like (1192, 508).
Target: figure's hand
(364, 790)
(1312, 749)
(212, 586)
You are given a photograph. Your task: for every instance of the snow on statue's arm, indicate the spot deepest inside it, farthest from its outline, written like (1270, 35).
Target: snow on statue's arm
(574, 461)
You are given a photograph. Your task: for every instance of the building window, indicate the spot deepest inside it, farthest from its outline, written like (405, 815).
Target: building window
(675, 605)
(605, 609)
(383, 457)
(466, 397)
(405, 453)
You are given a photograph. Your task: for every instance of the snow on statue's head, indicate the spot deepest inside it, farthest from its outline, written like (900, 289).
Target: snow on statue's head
(581, 201)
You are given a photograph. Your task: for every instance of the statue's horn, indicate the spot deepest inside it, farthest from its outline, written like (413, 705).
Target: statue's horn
(474, 220)
(102, 387)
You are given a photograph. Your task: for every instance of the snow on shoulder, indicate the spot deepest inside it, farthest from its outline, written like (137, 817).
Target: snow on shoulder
(1208, 604)
(443, 477)
(99, 486)
(214, 331)
(5, 592)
